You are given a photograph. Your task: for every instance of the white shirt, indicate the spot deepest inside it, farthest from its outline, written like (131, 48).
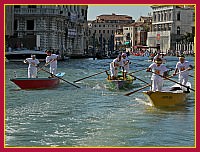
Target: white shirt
(51, 58)
(124, 61)
(181, 67)
(32, 63)
(117, 63)
(159, 70)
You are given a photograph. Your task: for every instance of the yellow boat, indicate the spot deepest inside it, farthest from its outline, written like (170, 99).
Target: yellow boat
(160, 99)
(169, 96)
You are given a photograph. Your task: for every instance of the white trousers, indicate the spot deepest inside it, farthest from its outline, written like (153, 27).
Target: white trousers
(157, 85)
(113, 70)
(183, 80)
(32, 72)
(53, 70)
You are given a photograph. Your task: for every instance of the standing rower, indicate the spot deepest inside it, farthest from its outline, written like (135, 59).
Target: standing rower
(125, 64)
(182, 66)
(114, 65)
(52, 60)
(32, 68)
(157, 69)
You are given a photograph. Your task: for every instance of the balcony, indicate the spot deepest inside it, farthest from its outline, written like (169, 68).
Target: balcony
(40, 11)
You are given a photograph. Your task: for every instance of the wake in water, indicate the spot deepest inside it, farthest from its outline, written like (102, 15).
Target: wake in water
(142, 101)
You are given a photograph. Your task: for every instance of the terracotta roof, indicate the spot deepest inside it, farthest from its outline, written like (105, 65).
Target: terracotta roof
(114, 17)
(136, 24)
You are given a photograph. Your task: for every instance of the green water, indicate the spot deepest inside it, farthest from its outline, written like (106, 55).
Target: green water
(94, 115)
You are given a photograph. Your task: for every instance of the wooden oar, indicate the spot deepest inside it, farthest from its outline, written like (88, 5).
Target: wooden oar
(137, 71)
(138, 90)
(182, 71)
(139, 79)
(89, 76)
(174, 80)
(45, 65)
(60, 78)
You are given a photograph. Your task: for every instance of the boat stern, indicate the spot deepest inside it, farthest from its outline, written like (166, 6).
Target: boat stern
(160, 99)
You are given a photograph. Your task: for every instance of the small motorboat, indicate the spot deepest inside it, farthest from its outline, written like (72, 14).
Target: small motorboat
(38, 83)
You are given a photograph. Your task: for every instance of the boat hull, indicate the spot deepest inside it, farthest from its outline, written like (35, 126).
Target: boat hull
(160, 99)
(120, 83)
(36, 83)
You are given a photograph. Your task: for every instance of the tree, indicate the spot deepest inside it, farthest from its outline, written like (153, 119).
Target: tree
(188, 37)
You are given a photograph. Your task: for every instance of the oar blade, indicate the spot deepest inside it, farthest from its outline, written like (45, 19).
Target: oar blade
(60, 78)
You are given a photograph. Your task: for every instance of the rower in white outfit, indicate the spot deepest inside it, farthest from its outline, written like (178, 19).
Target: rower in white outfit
(32, 68)
(114, 65)
(182, 68)
(158, 69)
(52, 60)
(125, 64)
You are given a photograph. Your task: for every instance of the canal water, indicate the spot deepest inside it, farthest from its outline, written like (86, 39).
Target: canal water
(94, 115)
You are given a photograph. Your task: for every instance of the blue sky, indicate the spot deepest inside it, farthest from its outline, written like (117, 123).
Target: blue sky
(135, 11)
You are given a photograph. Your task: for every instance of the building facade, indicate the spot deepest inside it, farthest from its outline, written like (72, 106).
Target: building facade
(103, 29)
(169, 24)
(135, 34)
(56, 27)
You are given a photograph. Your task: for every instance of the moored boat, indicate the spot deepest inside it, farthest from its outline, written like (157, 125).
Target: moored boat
(21, 55)
(37, 83)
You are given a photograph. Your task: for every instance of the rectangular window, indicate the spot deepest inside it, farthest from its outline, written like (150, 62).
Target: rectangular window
(31, 6)
(17, 6)
(82, 12)
(15, 25)
(30, 25)
(178, 16)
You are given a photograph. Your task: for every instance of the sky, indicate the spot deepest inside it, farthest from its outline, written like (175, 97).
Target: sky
(135, 11)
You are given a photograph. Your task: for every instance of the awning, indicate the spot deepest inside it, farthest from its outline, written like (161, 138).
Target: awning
(126, 43)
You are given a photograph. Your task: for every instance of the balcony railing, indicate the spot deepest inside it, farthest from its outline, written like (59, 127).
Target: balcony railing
(40, 11)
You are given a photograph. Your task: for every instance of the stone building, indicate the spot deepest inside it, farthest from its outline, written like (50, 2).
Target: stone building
(135, 34)
(9, 23)
(56, 27)
(169, 23)
(103, 29)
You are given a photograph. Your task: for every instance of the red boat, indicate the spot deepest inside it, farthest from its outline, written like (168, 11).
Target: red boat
(38, 83)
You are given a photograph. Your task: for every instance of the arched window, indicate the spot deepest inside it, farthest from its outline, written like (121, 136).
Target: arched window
(178, 30)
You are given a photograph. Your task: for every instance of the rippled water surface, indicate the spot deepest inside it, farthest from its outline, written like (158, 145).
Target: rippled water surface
(94, 115)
